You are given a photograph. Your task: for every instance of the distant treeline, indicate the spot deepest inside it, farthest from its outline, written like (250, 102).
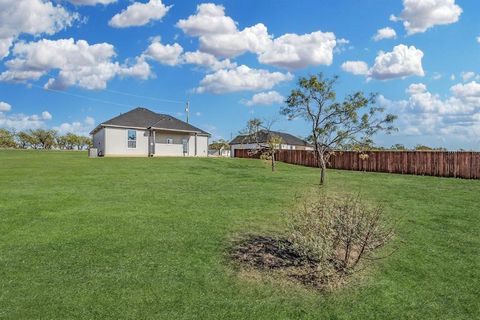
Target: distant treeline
(396, 147)
(43, 139)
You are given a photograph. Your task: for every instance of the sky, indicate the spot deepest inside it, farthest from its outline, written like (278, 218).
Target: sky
(71, 64)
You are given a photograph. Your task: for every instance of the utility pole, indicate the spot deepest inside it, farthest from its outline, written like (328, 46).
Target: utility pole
(187, 109)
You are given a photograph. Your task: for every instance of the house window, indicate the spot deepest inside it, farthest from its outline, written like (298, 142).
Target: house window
(169, 141)
(132, 139)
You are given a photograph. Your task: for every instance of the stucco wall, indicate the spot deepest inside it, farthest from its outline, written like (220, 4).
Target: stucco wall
(99, 141)
(176, 148)
(202, 146)
(116, 142)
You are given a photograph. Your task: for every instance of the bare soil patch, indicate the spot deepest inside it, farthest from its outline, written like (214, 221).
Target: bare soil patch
(278, 256)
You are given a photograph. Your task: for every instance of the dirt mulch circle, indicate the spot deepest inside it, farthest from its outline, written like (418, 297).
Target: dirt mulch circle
(276, 254)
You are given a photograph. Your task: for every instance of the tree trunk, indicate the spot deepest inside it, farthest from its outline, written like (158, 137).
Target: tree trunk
(273, 161)
(323, 167)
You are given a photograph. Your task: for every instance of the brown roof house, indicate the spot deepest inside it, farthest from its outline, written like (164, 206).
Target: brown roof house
(142, 132)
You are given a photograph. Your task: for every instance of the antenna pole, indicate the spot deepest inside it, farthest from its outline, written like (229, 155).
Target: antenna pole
(187, 110)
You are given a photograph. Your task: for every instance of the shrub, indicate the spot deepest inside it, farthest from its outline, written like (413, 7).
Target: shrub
(337, 233)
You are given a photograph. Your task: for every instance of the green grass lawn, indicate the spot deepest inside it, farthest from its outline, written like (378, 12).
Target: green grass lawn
(139, 238)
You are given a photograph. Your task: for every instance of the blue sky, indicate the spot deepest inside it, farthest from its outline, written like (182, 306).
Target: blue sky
(76, 63)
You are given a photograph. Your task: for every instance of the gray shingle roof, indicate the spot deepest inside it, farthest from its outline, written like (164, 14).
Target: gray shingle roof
(263, 137)
(144, 118)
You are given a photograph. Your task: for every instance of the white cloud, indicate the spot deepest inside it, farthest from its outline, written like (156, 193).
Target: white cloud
(469, 93)
(80, 128)
(22, 121)
(34, 17)
(165, 54)
(402, 62)
(467, 75)
(437, 76)
(241, 78)
(46, 115)
(209, 19)
(251, 39)
(5, 107)
(91, 2)
(418, 16)
(207, 60)
(427, 114)
(218, 35)
(385, 33)
(294, 51)
(139, 14)
(265, 99)
(478, 39)
(79, 63)
(355, 67)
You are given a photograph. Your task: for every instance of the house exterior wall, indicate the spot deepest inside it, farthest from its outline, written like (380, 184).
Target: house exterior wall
(98, 140)
(176, 148)
(116, 142)
(255, 146)
(113, 141)
(202, 146)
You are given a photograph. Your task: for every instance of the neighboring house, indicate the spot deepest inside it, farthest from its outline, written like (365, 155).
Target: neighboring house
(141, 132)
(289, 142)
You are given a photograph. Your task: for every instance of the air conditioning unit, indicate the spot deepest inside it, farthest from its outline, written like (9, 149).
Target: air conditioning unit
(92, 152)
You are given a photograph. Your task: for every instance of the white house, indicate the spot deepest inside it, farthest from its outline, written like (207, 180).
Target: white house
(260, 140)
(141, 132)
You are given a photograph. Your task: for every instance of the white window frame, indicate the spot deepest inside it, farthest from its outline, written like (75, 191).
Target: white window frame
(128, 140)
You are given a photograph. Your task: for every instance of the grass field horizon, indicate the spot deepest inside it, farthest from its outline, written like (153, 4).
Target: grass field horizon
(142, 238)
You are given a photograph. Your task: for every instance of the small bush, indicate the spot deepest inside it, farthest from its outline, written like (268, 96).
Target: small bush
(337, 233)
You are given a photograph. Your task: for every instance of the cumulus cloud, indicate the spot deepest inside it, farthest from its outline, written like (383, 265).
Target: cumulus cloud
(265, 99)
(165, 54)
(5, 107)
(139, 14)
(209, 19)
(469, 93)
(218, 35)
(418, 16)
(91, 2)
(294, 51)
(207, 60)
(402, 62)
(33, 17)
(355, 67)
(81, 128)
(22, 121)
(385, 33)
(79, 63)
(426, 113)
(241, 78)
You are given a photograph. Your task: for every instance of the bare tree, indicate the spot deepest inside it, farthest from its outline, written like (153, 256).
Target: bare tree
(334, 124)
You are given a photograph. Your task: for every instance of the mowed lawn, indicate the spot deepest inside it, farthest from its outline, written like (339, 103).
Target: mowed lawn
(139, 238)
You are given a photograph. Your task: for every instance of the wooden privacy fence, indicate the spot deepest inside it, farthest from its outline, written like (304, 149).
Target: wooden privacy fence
(429, 163)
